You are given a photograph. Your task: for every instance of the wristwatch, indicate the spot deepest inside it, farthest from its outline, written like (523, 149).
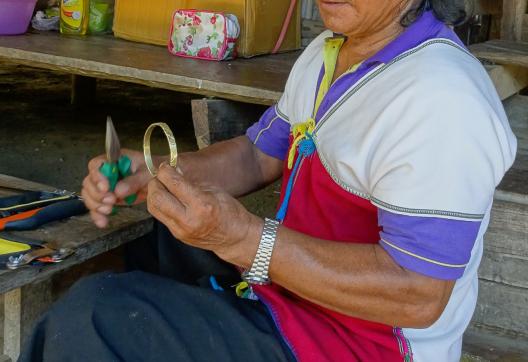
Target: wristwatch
(258, 273)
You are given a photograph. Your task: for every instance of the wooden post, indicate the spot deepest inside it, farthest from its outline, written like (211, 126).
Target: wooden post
(508, 79)
(83, 90)
(22, 307)
(513, 12)
(217, 120)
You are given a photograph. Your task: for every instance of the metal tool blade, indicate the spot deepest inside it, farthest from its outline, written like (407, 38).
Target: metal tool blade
(113, 147)
(48, 251)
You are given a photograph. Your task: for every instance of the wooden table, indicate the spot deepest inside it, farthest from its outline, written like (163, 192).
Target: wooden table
(27, 291)
(259, 80)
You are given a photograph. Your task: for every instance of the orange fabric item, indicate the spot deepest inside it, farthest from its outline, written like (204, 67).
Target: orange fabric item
(23, 215)
(285, 27)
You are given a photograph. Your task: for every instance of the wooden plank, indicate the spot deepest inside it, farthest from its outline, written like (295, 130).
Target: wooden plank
(492, 7)
(508, 79)
(502, 306)
(12, 318)
(502, 52)
(217, 120)
(504, 268)
(515, 181)
(259, 80)
(491, 345)
(508, 229)
(15, 183)
(514, 186)
(22, 308)
(512, 19)
(524, 36)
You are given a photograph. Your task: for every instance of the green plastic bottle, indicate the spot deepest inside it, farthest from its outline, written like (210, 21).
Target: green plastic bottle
(101, 16)
(74, 17)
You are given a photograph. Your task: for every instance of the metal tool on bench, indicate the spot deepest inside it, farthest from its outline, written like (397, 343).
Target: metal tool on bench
(117, 166)
(17, 251)
(31, 200)
(33, 209)
(44, 254)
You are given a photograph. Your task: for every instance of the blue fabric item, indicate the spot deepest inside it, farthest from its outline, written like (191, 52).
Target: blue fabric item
(214, 284)
(306, 148)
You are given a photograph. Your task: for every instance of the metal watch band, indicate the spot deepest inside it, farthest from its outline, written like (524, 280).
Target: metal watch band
(258, 274)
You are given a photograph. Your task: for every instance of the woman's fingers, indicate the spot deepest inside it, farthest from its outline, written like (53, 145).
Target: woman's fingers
(96, 163)
(161, 203)
(98, 180)
(101, 221)
(177, 185)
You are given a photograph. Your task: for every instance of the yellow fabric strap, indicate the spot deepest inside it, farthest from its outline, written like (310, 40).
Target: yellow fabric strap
(299, 132)
(241, 289)
(330, 54)
(9, 247)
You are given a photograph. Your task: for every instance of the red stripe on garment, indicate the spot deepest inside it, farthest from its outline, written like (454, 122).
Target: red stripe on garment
(321, 208)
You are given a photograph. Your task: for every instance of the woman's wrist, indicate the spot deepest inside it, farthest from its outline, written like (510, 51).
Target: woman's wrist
(242, 252)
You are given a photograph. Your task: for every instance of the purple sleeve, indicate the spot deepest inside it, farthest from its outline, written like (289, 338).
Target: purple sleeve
(435, 247)
(271, 133)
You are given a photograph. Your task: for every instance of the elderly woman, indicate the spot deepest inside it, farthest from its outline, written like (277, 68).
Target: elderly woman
(390, 139)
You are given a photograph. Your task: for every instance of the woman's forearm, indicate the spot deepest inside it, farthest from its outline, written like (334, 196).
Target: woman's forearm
(360, 280)
(235, 166)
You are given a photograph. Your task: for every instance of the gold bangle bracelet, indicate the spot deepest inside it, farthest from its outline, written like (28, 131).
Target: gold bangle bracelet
(172, 146)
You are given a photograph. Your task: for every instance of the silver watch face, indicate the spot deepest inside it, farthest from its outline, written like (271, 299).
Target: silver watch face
(252, 279)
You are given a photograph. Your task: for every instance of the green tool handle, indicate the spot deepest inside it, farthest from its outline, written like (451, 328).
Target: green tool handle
(115, 172)
(110, 171)
(125, 169)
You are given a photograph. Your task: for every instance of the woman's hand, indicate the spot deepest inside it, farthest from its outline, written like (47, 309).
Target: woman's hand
(96, 189)
(204, 217)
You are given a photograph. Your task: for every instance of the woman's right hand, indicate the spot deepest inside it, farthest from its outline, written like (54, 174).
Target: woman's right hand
(96, 189)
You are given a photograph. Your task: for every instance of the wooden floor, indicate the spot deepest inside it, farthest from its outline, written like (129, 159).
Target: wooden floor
(259, 80)
(502, 52)
(515, 183)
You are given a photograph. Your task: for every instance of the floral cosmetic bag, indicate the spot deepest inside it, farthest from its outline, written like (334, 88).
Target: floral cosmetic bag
(204, 34)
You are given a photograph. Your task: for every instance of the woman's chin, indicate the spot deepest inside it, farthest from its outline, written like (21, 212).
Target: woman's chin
(335, 24)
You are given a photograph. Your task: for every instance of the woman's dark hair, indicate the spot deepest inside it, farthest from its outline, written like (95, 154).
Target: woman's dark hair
(452, 12)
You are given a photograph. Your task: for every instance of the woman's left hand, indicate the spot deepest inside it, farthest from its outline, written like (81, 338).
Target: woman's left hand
(204, 217)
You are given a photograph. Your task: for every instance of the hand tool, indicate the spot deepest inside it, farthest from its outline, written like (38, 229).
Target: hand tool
(16, 251)
(31, 200)
(32, 219)
(44, 254)
(117, 166)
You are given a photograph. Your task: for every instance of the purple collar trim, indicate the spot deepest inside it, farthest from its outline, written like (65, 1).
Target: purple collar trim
(424, 28)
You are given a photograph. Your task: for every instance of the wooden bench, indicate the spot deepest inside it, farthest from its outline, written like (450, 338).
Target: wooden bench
(27, 292)
(259, 80)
